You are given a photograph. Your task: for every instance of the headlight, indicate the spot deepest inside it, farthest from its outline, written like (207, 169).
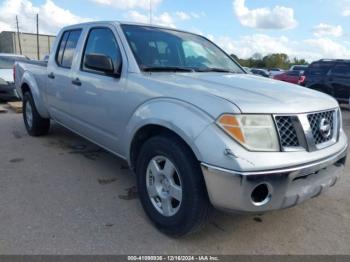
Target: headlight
(254, 132)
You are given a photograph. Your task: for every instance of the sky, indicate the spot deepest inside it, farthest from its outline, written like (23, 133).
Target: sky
(309, 29)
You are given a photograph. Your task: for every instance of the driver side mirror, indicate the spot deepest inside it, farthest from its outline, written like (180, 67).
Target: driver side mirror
(99, 62)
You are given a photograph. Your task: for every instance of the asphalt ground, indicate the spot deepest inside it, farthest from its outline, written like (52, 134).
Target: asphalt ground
(60, 194)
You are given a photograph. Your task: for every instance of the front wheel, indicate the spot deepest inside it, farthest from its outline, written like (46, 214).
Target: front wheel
(34, 123)
(171, 186)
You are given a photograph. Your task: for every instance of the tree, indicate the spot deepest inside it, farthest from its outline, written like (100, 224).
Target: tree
(277, 60)
(235, 57)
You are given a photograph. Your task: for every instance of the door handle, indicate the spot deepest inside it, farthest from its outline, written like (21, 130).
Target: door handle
(51, 75)
(76, 82)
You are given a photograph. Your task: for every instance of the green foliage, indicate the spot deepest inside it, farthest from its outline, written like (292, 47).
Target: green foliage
(278, 60)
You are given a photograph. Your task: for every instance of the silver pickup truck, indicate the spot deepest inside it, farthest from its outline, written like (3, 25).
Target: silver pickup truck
(196, 129)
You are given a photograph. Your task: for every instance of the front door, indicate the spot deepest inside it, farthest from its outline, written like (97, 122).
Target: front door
(97, 100)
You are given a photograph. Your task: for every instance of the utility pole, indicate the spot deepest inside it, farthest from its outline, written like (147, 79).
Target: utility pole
(150, 11)
(19, 39)
(37, 36)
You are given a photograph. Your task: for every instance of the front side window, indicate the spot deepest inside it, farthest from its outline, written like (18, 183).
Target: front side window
(102, 41)
(67, 47)
(165, 48)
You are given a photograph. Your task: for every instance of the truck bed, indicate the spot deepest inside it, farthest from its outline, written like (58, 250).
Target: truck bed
(35, 62)
(36, 69)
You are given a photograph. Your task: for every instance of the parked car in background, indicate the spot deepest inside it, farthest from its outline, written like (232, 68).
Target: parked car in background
(260, 72)
(298, 68)
(330, 76)
(294, 77)
(247, 69)
(194, 126)
(275, 71)
(7, 85)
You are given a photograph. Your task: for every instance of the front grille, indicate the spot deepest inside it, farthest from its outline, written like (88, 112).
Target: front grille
(315, 120)
(287, 132)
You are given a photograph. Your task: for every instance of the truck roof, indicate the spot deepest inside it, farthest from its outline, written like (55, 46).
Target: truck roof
(333, 60)
(126, 23)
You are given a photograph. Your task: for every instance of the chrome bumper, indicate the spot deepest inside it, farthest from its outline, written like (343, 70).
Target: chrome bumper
(275, 189)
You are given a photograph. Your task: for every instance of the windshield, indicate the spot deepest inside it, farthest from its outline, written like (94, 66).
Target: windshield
(7, 62)
(162, 49)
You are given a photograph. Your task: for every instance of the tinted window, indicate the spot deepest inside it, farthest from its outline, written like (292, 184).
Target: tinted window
(102, 41)
(320, 68)
(67, 47)
(341, 69)
(61, 47)
(162, 48)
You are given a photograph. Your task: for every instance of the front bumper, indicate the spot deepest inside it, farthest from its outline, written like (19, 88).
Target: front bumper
(261, 191)
(8, 92)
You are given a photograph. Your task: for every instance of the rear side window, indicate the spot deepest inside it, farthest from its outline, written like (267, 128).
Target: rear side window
(341, 69)
(67, 47)
(102, 41)
(320, 68)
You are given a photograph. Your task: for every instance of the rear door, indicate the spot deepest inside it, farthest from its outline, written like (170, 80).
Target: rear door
(339, 79)
(59, 89)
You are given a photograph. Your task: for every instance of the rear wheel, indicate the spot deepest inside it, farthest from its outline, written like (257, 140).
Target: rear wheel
(34, 123)
(171, 186)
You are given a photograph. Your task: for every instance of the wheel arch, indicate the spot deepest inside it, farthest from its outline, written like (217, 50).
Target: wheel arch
(29, 84)
(150, 130)
(165, 116)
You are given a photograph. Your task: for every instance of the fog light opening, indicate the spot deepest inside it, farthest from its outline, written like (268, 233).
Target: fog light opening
(261, 195)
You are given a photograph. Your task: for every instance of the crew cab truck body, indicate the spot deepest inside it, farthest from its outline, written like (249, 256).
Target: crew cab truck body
(193, 125)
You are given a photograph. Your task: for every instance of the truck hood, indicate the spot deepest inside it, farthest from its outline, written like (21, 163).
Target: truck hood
(252, 94)
(6, 74)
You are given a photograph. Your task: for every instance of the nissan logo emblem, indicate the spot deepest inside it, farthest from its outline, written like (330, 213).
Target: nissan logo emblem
(325, 128)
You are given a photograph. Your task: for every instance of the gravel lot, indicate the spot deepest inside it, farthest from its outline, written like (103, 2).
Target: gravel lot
(60, 194)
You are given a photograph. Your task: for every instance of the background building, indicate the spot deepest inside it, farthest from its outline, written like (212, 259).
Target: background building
(9, 44)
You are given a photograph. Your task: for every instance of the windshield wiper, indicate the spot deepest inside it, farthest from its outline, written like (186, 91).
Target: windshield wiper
(214, 69)
(166, 69)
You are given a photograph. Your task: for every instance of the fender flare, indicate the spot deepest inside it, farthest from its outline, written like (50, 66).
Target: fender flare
(182, 118)
(40, 104)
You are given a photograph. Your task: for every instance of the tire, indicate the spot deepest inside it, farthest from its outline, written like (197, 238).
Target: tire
(34, 123)
(191, 212)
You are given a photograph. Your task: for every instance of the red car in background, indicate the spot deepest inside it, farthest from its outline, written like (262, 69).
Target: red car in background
(293, 76)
